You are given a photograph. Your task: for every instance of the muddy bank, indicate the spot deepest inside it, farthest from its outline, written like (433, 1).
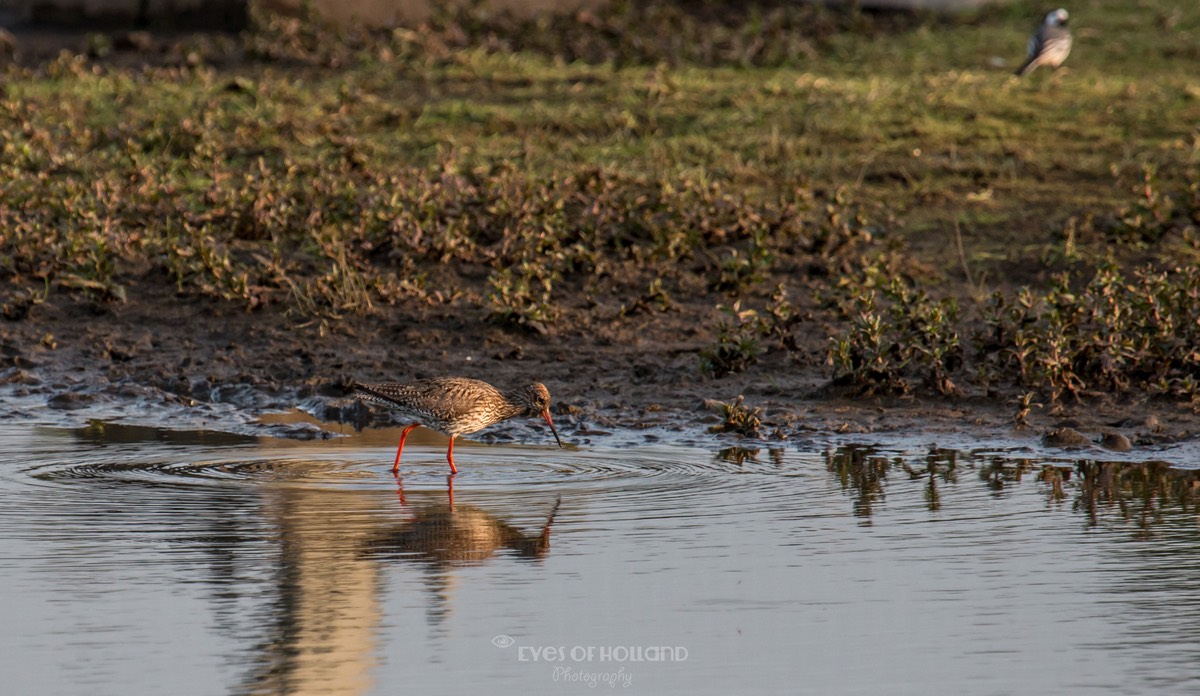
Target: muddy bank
(191, 363)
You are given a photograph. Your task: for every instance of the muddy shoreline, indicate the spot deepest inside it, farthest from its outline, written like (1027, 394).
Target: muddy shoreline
(190, 363)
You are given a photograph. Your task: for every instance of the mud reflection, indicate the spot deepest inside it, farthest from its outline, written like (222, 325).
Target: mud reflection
(101, 433)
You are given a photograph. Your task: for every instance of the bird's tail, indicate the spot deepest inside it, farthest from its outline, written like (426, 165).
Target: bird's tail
(1027, 67)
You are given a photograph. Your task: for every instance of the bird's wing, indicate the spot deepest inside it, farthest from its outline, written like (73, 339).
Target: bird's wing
(382, 393)
(1030, 61)
(453, 398)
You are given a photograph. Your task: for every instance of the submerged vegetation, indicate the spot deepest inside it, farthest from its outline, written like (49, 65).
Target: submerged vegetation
(791, 185)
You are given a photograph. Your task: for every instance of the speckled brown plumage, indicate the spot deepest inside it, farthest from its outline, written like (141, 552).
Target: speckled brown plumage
(456, 406)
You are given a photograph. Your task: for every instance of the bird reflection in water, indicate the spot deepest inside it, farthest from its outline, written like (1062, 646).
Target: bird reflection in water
(447, 534)
(442, 535)
(335, 547)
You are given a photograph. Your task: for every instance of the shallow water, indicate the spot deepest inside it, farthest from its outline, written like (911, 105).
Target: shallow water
(141, 561)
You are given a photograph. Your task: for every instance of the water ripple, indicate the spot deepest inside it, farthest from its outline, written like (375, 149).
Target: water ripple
(656, 470)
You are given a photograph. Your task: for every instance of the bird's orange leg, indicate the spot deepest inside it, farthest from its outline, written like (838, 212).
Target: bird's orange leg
(403, 437)
(450, 456)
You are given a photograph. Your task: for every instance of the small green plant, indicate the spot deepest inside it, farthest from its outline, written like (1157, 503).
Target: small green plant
(200, 262)
(742, 270)
(895, 333)
(930, 330)
(865, 356)
(839, 233)
(1025, 406)
(780, 319)
(19, 302)
(1151, 214)
(91, 267)
(344, 288)
(737, 346)
(655, 299)
(1112, 332)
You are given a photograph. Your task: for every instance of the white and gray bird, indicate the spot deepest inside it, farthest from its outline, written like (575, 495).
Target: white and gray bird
(1050, 45)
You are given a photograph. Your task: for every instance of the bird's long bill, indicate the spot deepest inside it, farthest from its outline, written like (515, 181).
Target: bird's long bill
(546, 415)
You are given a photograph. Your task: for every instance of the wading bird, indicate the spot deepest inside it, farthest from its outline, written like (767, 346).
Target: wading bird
(457, 406)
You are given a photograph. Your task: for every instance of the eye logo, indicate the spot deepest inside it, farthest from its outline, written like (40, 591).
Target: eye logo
(503, 641)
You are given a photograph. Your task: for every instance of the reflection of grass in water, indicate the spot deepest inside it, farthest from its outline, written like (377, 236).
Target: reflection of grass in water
(862, 472)
(1142, 494)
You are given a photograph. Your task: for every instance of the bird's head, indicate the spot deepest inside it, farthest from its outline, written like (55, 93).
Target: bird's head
(536, 400)
(1057, 18)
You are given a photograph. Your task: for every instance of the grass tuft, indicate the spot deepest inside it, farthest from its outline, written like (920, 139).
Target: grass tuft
(736, 417)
